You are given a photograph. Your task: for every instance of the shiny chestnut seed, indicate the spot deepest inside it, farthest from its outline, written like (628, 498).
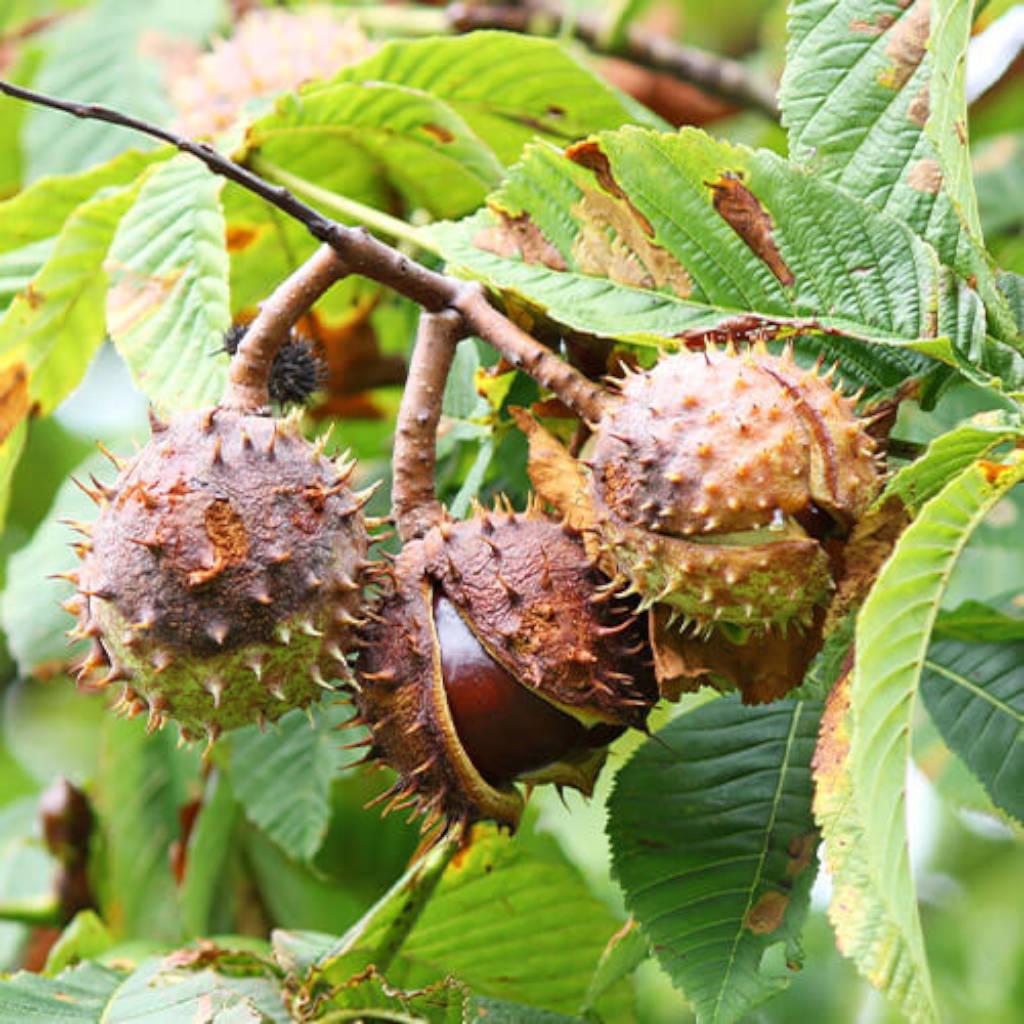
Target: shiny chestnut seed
(496, 659)
(506, 730)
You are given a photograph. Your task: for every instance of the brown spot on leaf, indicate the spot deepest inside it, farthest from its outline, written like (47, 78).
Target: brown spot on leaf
(907, 43)
(881, 23)
(438, 132)
(992, 471)
(801, 851)
(241, 236)
(136, 296)
(766, 914)
(34, 298)
(920, 108)
(591, 156)
(925, 176)
(961, 131)
(14, 397)
(828, 765)
(743, 212)
(611, 243)
(519, 237)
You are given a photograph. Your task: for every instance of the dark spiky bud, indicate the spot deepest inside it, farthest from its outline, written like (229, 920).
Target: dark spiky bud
(495, 661)
(296, 372)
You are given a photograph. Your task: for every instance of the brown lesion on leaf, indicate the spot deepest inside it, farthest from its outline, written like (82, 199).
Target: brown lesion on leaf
(438, 132)
(590, 155)
(882, 23)
(136, 296)
(801, 850)
(908, 41)
(925, 176)
(920, 108)
(828, 765)
(519, 237)
(242, 236)
(767, 914)
(14, 398)
(612, 243)
(743, 212)
(993, 471)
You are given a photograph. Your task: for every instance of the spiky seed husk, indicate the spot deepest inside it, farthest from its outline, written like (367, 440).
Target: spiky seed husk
(523, 592)
(219, 578)
(720, 484)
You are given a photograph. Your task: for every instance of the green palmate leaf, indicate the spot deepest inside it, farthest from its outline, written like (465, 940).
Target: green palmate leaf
(862, 761)
(168, 305)
(141, 785)
(34, 622)
(508, 88)
(282, 778)
(540, 950)
(626, 950)
(12, 443)
(367, 137)
(654, 239)
(55, 324)
(40, 210)
(950, 454)
(111, 53)
(873, 99)
(713, 843)
(368, 997)
(974, 693)
(28, 873)
(377, 937)
(80, 995)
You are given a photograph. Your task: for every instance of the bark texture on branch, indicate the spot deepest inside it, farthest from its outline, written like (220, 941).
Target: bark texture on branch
(414, 501)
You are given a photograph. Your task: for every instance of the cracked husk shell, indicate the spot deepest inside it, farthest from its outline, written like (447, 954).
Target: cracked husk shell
(497, 659)
(223, 577)
(720, 488)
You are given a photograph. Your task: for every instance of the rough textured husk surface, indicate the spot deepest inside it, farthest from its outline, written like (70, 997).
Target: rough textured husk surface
(527, 591)
(225, 570)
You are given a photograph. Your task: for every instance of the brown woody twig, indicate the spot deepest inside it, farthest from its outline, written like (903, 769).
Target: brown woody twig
(414, 503)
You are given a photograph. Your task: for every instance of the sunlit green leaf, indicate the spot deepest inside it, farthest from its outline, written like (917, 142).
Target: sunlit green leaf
(168, 305)
(282, 778)
(28, 873)
(861, 767)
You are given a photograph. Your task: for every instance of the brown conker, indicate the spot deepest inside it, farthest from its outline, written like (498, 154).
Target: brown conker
(497, 657)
